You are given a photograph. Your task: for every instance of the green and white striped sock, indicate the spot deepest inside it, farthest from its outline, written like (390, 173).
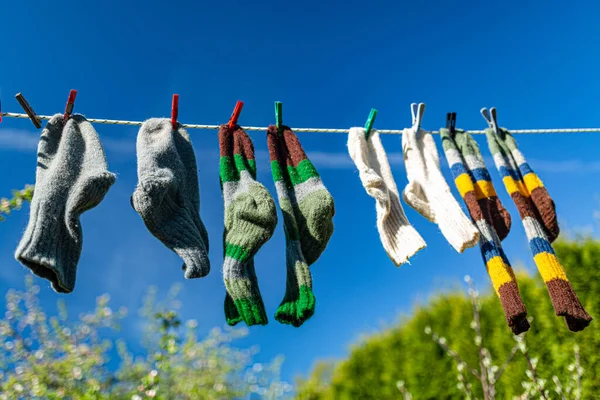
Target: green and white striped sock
(250, 219)
(307, 209)
(315, 209)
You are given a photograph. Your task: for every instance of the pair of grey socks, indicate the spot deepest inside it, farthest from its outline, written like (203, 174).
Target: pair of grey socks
(72, 177)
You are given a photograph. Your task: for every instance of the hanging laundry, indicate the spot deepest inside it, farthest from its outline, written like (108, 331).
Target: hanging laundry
(520, 182)
(250, 219)
(308, 210)
(427, 190)
(399, 238)
(474, 183)
(71, 177)
(167, 194)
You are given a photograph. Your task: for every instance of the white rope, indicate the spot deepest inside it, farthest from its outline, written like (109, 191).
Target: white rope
(316, 130)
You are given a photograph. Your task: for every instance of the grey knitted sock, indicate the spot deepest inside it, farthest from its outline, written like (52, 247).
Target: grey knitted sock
(167, 195)
(71, 177)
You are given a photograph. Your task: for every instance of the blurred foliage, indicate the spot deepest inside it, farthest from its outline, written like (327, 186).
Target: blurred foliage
(406, 353)
(45, 357)
(19, 196)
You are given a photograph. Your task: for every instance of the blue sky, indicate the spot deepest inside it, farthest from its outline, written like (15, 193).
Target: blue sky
(329, 63)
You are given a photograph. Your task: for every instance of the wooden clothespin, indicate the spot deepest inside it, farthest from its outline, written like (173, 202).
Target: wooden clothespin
(174, 111)
(279, 116)
(451, 123)
(28, 110)
(417, 114)
(370, 121)
(236, 114)
(70, 104)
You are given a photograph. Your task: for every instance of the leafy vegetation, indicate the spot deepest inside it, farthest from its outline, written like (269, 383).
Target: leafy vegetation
(407, 354)
(55, 358)
(15, 203)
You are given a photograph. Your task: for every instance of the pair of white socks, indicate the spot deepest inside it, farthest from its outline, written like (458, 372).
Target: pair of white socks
(427, 192)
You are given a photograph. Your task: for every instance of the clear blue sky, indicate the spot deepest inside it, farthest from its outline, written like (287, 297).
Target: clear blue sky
(329, 62)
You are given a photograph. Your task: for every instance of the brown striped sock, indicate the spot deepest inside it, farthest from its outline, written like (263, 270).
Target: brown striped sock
(510, 165)
(538, 193)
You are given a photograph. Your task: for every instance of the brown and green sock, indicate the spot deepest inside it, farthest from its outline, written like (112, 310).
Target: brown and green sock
(315, 210)
(300, 204)
(250, 219)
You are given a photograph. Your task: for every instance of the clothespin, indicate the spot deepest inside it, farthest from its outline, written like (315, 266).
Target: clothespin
(70, 104)
(174, 111)
(370, 122)
(417, 114)
(236, 114)
(451, 123)
(492, 119)
(28, 110)
(0, 108)
(279, 116)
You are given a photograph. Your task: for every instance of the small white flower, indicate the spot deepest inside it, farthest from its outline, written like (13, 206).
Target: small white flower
(18, 387)
(534, 362)
(218, 386)
(39, 354)
(136, 397)
(107, 311)
(529, 374)
(257, 367)
(19, 370)
(153, 373)
(192, 324)
(77, 373)
(151, 393)
(428, 330)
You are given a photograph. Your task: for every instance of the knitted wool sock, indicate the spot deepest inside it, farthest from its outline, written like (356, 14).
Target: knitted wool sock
(399, 238)
(167, 196)
(475, 186)
(71, 177)
(315, 208)
(480, 177)
(298, 304)
(561, 292)
(429, 194)
(250, 219)
(537, 192)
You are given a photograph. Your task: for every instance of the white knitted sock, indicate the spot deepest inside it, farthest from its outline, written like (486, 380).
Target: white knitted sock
(429, 194)
(399, 238)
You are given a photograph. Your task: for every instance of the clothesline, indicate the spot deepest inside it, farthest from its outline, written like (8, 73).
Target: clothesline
(315, 130)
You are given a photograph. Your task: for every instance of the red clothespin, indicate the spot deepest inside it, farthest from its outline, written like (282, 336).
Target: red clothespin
(0, 109)
(236, 114)
(70, 104)
(175, 111)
